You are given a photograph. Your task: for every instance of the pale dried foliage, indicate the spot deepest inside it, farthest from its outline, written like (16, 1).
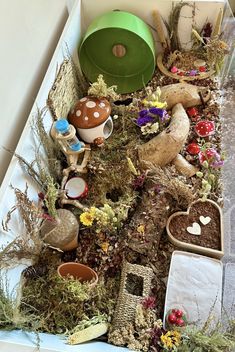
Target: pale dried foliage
(100, 89)
(172, 183)
(26, 245)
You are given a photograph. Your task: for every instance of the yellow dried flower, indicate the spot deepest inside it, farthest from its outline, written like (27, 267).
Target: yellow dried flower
(166, 341)
(105, 246)
(141, 228)
(92, 211)
(86, 218)
(153, 100)
(223, 45)
(171, 339)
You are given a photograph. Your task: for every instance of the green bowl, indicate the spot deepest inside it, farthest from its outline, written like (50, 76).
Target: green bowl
(120, 46)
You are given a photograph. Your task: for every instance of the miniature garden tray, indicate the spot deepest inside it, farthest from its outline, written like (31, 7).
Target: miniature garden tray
(149, 208)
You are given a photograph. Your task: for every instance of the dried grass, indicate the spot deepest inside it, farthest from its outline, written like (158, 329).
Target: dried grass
(28, 244)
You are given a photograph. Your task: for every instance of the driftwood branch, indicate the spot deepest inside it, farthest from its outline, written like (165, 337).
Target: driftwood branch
(186, 94)
(165, 147)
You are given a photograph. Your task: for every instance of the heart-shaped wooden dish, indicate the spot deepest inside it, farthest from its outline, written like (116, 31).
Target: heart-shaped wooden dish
(211, 240)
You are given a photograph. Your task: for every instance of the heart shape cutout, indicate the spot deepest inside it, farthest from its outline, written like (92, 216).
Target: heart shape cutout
(186, 232)
(204, 219)
(195, 229)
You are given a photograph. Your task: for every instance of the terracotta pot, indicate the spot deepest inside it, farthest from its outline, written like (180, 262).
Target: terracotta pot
(79, 271)
(61, 233)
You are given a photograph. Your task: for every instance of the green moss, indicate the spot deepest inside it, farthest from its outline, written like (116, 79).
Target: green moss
(61, 304)
(215, 340)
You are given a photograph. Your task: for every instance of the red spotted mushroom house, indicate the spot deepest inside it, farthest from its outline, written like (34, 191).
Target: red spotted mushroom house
(91, 117)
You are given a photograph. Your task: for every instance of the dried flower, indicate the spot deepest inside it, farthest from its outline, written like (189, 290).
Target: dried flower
(143, 112)
(150, 128)
(142, 121)
(170, 340)
(153, 99)
(149, 302)
(207, 30)
(105, 246)
(210, 157)
(47, 217)
(141, 228)
(139, 182)
(41, 196)
(157, 111)
(86, 218)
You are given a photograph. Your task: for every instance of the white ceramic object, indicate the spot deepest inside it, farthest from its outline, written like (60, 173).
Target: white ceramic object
(104, 130)
(76, 188)
(195, 286)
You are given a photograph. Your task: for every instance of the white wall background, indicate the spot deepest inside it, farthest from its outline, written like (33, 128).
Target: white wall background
(29, 31)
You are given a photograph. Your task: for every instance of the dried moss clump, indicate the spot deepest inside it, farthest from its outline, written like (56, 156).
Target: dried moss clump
(61, 304)
(10, 315)
(207, 340)
(100, 89)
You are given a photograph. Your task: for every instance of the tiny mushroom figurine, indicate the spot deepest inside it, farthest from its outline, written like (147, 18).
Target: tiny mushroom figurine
(205, 128)
(91, 117)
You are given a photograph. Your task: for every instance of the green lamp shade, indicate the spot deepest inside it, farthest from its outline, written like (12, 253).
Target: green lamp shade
(120, 46)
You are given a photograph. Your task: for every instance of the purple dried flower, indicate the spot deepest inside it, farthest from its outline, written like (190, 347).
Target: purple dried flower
(143, 112)
(41, 196)
(149, 302)
(139, 182)
(156, 334)
(157, 111)
(207, 30)
(161, 113)
(165, 116)
(193, 73)
(141, 121)
(217, 164)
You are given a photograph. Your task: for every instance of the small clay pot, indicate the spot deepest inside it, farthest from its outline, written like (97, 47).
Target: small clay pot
(79, 271)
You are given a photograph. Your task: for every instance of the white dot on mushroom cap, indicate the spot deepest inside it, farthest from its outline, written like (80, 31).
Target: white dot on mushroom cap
(83, 99)
(78, 113)
(102, 105)
(90, 104)
(96, 114)
(86, 118)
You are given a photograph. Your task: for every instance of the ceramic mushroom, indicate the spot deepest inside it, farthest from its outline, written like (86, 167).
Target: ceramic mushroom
(205, 128)
(91, 117)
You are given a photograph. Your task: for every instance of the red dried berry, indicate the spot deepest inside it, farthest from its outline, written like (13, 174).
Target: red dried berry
(202, 69)
(193, 148)
(171, 318)
(180, 322)
(192, 112)
(179, 313)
